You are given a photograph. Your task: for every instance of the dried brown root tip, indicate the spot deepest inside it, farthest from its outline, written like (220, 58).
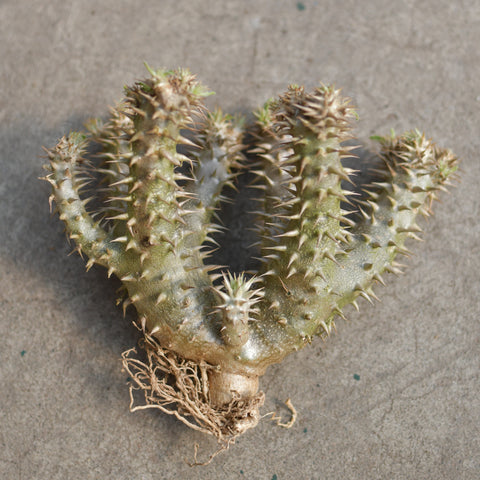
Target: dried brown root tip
(182, 388)
(293, 416)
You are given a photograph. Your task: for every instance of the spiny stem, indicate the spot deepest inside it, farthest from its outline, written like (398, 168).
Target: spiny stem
(65, 165)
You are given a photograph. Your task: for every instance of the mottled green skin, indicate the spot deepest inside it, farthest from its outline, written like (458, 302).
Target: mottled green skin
(158, 214)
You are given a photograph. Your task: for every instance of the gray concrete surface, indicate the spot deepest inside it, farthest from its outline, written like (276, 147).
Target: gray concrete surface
(393, 395)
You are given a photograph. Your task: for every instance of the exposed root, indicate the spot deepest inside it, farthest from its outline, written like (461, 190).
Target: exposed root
(293, 417)
(180, 387)
(196, 463)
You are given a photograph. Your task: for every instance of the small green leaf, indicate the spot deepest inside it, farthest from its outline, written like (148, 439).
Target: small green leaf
(201, 91)
(150, 70)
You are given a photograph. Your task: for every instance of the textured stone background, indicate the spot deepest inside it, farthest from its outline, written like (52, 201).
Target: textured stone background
(394, 394)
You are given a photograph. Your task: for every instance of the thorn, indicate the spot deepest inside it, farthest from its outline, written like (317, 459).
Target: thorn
(331, 257)
(372, 294)
(125, 305)
(135, 298)
(339, 313)
(364, 294)
(90, 263)
(379, 279)
(127, 278)
(120, 239)
(161, 298)
(275, 305)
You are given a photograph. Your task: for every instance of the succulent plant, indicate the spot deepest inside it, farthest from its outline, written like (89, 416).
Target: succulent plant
(162, 163)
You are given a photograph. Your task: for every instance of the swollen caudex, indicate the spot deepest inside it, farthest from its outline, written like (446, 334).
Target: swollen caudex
(209, 333)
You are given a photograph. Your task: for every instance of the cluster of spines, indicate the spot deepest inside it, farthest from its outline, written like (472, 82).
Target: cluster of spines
(304, 195)
(68, 173)
(414, 170)
(159, 214)
(237, 299)
(114, 156)
(218, 158)
(311, 227)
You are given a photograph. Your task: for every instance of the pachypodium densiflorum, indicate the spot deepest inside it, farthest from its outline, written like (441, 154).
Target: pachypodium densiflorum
(214, 330)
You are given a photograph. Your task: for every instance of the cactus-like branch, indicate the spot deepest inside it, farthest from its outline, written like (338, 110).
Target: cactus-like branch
(68, 175)
(157, 215)
(414, 170)
(216, 160)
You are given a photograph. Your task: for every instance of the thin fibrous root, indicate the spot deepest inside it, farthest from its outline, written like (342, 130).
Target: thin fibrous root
(196, 463)
(179, 387)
